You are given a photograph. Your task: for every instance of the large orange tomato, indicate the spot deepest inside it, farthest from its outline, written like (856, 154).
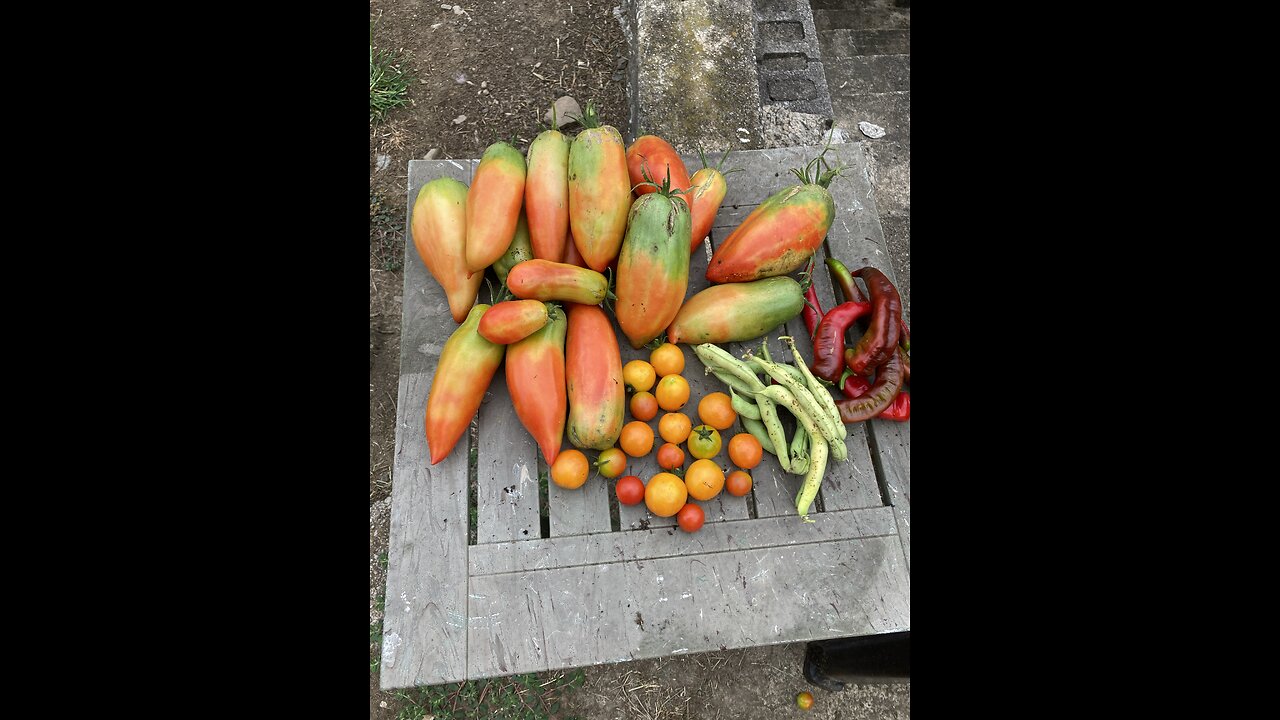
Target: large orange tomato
(665, 494)
(704, 479)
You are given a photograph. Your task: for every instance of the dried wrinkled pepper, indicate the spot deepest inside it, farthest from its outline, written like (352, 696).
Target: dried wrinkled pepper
(828, 341)
(880, 342)
(879, 397)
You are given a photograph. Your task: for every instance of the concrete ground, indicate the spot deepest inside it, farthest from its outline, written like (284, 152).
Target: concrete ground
(866, 51)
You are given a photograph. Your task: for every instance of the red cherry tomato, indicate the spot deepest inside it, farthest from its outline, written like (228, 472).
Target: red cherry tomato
(690, 518)
(630, 490)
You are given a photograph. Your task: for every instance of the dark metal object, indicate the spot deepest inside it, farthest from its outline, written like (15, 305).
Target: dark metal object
(875, 659)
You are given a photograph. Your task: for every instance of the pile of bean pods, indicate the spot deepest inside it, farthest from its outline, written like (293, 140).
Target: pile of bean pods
(819, 430)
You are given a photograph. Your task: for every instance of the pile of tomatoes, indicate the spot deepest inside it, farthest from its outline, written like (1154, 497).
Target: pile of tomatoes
(658, 385)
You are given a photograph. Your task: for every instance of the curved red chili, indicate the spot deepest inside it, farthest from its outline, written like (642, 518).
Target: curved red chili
(880, 341)
(899, 410)
(828, 341)
(853, 385)
(844, 279)
(879, 397)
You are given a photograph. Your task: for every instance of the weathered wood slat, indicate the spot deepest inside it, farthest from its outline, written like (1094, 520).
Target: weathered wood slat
(677, 605)
(506, 471)
(424, 631)
(857, 240)
(893, 445)
(655, 543)
(580, 511)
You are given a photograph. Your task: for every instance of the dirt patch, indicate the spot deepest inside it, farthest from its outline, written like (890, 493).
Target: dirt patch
(499, 65)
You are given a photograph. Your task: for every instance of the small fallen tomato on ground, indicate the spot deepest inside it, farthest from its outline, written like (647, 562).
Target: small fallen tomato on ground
(690, 518)
(804, 700)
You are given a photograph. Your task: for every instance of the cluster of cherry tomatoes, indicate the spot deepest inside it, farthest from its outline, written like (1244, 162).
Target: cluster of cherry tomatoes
(658, 385)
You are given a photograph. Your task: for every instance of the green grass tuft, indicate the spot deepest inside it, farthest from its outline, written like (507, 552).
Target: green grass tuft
(388, 83)
(522, 697)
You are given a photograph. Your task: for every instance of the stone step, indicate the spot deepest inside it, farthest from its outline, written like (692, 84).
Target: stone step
(869, 74)
(891, 111)
(846, 42)
(866, 4)
(863, 18)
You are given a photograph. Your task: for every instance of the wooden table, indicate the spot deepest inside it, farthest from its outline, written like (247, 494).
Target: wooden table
(587, 593)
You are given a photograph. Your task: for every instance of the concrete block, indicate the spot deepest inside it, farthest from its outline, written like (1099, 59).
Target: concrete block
(791, 70)
(695, 73)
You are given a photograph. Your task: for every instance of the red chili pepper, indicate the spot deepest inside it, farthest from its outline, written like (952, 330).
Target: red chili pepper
(853, 385)
(828, 341)
(879, 397)
(898, 410)
(880, 341)
(812, 310)
(844, 279)
(904, 340)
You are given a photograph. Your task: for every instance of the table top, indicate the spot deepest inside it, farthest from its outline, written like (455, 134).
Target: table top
(530, 594)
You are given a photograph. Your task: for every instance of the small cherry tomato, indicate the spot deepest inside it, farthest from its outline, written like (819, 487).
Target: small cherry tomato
(630, 490)
(690, 518)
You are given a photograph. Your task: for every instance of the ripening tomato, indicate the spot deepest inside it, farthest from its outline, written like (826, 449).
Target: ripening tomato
(704, 479)
(636, 439)
(570, 469)
(610, 463)
(667, 359)
(704, 442)
(804, 700)
(638, 375)
(670, 456)
(674, 427)
(745, 450)
(630, 490)
(690, 518)
(672, 392)
(644, 406)
(716, 410)
(738, 483)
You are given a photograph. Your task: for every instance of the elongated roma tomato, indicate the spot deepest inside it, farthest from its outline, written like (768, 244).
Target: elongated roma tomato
(440, 237)
(705, 195)
(493, 205)
(467, 366)
(593, 374)
(736, 311)
(777, 237)
(513, 320)
(599, 191)
(546, 281)
(535, 379)
(653, 269)
(546, 194)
